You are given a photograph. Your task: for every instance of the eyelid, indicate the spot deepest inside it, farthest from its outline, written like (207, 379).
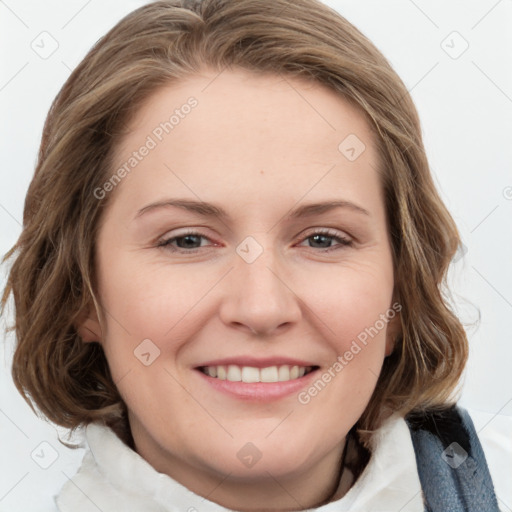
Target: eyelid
(332, 232)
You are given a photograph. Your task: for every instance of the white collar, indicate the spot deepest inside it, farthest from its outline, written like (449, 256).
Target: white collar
(113, 477)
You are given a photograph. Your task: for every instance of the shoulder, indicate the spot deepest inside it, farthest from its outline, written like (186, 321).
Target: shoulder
(451, 462)
(495, 435)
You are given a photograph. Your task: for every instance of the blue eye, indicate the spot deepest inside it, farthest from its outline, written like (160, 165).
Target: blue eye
(187, 242)
(191, 242)
(326, 236)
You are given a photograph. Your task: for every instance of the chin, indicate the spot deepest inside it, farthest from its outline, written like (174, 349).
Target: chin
(250, 461)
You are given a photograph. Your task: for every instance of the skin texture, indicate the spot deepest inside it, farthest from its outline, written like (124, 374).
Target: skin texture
(258, 146)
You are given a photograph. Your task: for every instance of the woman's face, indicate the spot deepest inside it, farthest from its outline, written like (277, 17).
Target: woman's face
(222, 257)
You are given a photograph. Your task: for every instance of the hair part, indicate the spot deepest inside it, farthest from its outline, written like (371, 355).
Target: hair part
(52, 278)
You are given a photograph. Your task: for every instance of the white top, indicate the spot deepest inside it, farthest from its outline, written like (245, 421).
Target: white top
(113, 477)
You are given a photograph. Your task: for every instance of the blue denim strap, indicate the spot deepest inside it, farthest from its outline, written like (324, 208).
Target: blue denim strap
(451, 464)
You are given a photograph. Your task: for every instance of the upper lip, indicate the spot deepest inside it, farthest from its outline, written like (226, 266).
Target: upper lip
(257, 362)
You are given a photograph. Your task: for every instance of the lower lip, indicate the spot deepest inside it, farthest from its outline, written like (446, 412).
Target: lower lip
(261, 391)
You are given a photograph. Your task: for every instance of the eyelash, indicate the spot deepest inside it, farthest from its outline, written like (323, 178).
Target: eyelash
(343, 242)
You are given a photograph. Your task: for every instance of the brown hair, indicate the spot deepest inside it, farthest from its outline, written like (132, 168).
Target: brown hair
(52, 276)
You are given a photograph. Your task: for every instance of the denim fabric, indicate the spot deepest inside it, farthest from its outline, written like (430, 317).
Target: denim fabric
(451, 463)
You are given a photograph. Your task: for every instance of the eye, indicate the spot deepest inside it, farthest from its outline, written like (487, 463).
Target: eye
(322, 239)
(190, 242)
(186, 242)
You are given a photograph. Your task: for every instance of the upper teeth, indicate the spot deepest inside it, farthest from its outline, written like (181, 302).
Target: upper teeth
(236, 373)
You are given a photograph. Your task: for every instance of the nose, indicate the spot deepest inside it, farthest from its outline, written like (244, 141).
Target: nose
(259, 296)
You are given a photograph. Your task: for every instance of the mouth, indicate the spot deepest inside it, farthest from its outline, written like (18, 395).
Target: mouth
(260, 380)
(252, 374)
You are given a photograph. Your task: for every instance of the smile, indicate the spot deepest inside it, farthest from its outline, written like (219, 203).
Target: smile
(251, 374)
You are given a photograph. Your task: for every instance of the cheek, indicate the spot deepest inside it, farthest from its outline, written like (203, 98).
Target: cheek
(352, 308)
(150, 315)
(141, 309)
(151, 301)
(362, 321)
(348, 301)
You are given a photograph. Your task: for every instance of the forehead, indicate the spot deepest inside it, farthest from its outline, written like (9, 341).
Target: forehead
(254, 136)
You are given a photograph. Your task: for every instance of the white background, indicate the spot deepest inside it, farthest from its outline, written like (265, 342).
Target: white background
(465, 104)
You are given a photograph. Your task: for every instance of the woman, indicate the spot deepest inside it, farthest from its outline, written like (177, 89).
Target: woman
(231, 271)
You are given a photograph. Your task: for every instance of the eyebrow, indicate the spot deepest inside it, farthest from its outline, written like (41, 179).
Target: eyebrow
(211, 210)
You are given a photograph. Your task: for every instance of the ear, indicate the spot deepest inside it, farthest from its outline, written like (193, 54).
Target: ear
(88, 326)
(393, 330)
